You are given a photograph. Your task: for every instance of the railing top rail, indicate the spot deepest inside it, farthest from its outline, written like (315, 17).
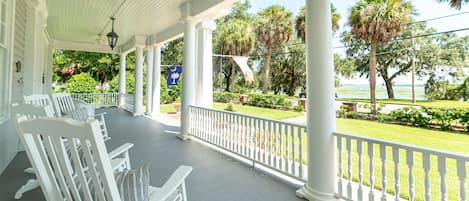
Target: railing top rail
(416, 148)
(251, 116)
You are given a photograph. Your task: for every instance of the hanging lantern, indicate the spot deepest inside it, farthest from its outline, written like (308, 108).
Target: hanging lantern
(112, 36)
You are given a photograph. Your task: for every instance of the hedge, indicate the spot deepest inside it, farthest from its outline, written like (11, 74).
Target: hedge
(226, 97)
(269, 101)
(430, 117)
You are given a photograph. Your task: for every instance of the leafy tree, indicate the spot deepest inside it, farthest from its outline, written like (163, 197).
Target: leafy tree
(455, 3)
(81, 83)
(236, 38)
(343, 67)
(300, 22)
(376, 22)
(233, 36)
(289, 70)
(172, 54)
(396, 58)
(273, 28)
(100, 65)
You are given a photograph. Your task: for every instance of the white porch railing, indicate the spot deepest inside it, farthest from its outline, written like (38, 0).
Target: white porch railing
(274, 144)
(98, 99)
(366, 157)
(129, 102)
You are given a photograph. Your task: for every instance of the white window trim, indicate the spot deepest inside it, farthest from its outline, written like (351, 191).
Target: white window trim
(10, 27)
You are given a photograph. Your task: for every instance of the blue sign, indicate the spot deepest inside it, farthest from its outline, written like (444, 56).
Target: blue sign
(174, 74)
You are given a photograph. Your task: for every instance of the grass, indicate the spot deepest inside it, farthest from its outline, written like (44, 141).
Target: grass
(245, 109)
(416, 136)
(441, 140)
(433, 103)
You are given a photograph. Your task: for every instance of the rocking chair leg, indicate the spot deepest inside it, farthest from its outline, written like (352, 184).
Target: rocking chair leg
(30, 185)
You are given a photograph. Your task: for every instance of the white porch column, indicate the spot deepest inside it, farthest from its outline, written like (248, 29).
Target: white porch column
(34, 48)
(122, 78)
(156, 80)
(204, 90)
(150, 61)
(138, 80)
(321, 184)
(188, 70)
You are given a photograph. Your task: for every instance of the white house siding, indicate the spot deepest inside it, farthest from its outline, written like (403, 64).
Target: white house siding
(20, 29)
(8, 137)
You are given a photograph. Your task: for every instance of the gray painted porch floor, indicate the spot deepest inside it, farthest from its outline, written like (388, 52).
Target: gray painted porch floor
(215, 177)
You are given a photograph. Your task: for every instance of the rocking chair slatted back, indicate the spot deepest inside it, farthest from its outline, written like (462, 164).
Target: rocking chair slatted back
(66, 176)
(40, 100)
(63, 103)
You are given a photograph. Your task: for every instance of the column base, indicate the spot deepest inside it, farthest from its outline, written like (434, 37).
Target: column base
(138, 114)
(183, 137)
(313, 195)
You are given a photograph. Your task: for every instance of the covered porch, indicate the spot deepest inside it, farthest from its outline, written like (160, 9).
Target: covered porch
(218, 177)
(313, 154)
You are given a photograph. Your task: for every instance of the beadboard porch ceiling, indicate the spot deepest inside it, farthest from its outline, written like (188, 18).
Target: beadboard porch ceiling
(88, 21)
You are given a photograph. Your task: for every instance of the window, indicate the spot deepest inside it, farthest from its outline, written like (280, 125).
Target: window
(6, 7)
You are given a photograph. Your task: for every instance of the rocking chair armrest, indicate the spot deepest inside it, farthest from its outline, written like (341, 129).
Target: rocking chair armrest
(100, 115)
(175, 181)
(123, 149)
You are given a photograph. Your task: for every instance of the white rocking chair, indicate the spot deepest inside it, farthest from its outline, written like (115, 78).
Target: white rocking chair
(62, 176)
(65, 106)
(119, 156)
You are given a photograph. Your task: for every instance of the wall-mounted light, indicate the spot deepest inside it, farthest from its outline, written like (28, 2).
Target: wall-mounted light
(18, 66)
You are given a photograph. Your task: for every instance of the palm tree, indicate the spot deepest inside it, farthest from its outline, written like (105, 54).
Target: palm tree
(300, 22)
(236, 38)
(376, 22)
(273, 28)
(455, 3)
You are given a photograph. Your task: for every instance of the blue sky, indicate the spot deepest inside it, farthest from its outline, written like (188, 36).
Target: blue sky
(427, 9)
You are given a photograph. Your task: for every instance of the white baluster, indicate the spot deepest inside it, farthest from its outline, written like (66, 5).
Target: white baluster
(349, 166)
(360, 169)
(382, 154)
(271, 143)
(341, 166)
(287, 145)
(426, 170)
(275, 145)
(397, 185)
(371, 195)
(442, 171)
(281, 146)
(462, 180)
(410, 165)
(300, 144)
(293, 166)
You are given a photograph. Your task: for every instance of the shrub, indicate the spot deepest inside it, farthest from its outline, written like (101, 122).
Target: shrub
(226, 97)
(230, 107)
(351, 115)
(164, 96)
(129, 83)
(410, 115)
(298, 108)
(81, 83)
(268, 101)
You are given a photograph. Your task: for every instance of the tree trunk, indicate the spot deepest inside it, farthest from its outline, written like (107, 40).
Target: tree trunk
(232, 76)
(389, 88)
(267, 70)
(373, 76)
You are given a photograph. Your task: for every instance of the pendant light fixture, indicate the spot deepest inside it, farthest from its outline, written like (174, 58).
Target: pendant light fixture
(112, 36)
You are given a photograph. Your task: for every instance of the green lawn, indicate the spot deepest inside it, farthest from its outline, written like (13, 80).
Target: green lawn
(447, 141)
(245, 109)
(434, 103)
